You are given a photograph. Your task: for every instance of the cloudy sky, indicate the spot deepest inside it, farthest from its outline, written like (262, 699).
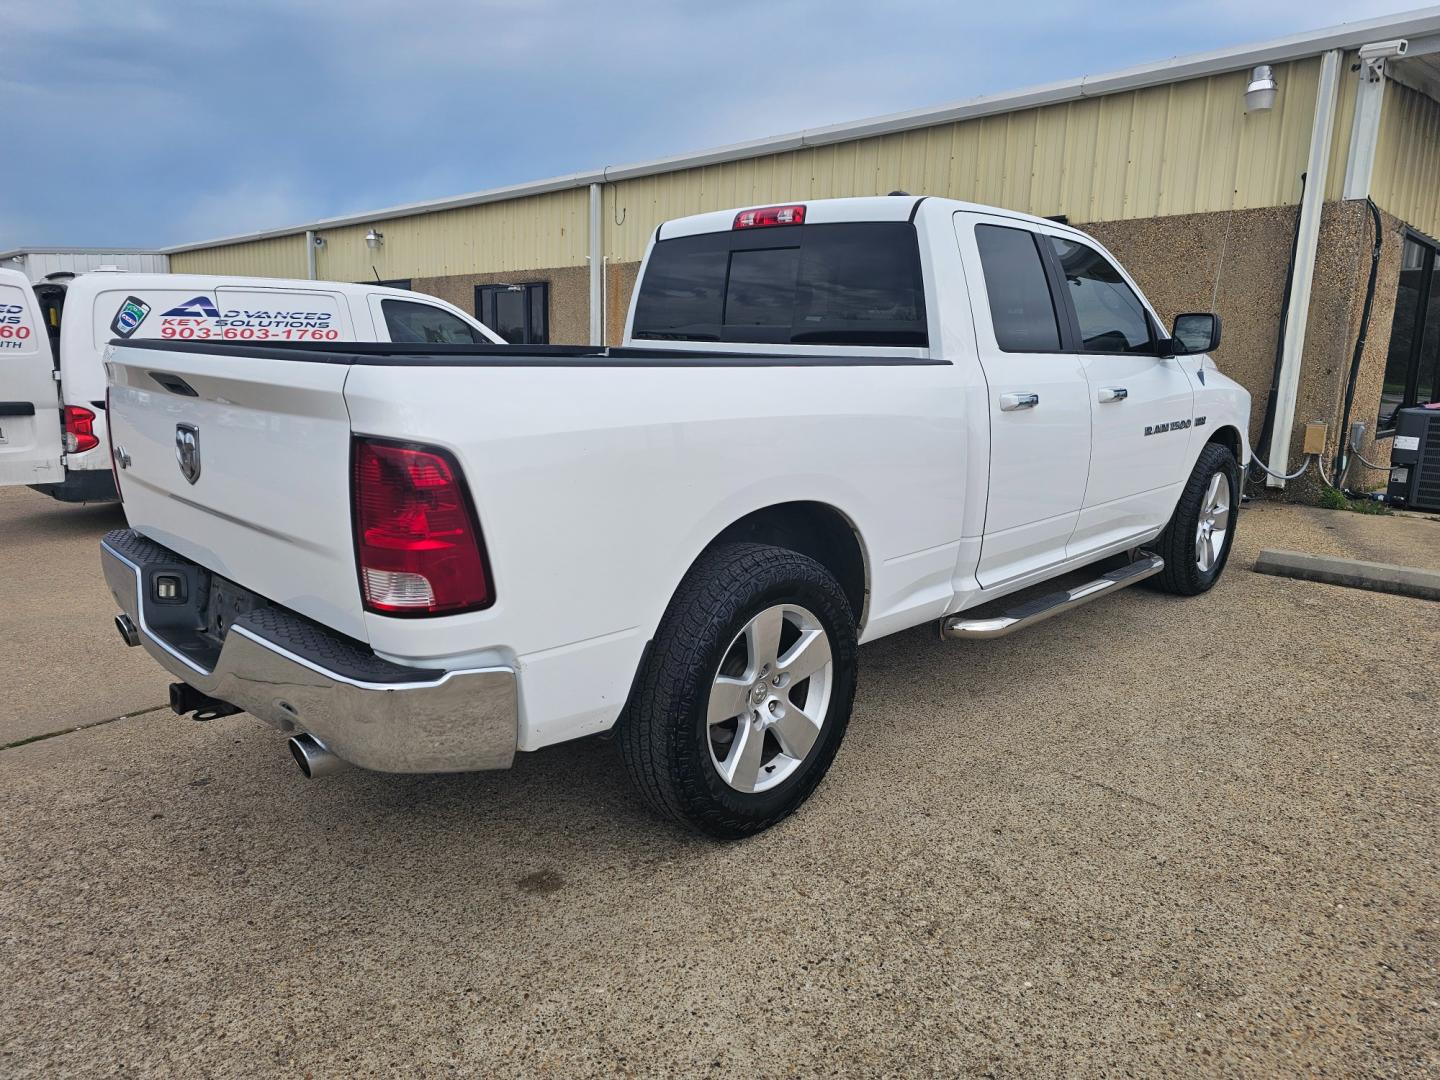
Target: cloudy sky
(152, 122)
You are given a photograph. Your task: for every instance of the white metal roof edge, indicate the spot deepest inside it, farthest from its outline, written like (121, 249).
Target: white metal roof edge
(1417, 23)
(42, 250)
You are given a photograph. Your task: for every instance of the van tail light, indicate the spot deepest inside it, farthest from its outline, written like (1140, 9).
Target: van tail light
(770, 215)
(417, 542)
(79, 427)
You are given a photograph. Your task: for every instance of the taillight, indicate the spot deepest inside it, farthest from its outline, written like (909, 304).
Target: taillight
(770, 215)
(79, 425)
(417, 542)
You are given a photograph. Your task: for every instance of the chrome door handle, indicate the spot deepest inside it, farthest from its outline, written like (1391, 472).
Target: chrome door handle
(1012, 402)
(1114, 393)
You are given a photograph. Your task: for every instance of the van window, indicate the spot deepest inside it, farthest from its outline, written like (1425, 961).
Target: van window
(408, 321)
(1111, 317)
(840, 284)
(1021, 307)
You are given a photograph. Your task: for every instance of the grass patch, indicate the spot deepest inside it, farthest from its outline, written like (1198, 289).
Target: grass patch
(1335, 499)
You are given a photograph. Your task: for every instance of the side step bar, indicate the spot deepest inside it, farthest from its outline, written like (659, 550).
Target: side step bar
(958, 627)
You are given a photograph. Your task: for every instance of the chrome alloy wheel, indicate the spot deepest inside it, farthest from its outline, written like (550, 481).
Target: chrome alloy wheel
(1214, 523)
(769, 698)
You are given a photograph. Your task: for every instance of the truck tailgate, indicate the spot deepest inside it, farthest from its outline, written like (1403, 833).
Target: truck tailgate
(241, 464)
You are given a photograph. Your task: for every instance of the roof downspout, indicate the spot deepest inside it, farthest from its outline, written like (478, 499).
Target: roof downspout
(597, 268)
(310, 254)
(1307, 244)
(1365, 129)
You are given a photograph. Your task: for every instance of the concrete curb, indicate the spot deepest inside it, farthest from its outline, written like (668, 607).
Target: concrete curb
(1351, 573)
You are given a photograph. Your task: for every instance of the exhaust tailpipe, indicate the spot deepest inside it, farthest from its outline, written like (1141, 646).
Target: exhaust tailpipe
(313, 757)
(128, 631)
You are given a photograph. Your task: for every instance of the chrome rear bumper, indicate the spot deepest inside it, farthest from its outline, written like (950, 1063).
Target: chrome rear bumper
(295, 674)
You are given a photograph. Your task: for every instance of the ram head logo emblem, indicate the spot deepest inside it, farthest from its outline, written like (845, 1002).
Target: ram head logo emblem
(187, 451)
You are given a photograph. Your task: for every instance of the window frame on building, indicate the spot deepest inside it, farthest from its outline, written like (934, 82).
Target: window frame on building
(1421, 319)
(536, 309)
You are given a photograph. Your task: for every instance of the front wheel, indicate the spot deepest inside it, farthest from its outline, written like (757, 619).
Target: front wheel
(746, 693)
(1196, 543)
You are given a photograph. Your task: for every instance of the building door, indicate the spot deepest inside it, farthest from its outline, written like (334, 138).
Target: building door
(1412, 367)
(518, 313)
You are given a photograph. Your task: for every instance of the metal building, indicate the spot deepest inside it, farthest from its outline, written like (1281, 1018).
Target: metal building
(1202, 173)
(38, 263)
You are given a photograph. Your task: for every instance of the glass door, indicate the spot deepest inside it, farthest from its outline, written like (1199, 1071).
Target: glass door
(1412, 367)
(518, 313)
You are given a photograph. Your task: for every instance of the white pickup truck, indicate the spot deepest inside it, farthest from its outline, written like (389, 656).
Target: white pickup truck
(830, 421)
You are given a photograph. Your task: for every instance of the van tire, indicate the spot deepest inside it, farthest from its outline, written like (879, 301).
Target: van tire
(665, 737)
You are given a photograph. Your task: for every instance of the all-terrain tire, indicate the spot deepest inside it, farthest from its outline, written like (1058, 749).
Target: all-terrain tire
(664, 735)
(1177, 544)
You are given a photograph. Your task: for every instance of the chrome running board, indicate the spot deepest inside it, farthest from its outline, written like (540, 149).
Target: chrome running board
(958, 627)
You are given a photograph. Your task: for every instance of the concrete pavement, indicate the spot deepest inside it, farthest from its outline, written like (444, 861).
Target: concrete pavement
(63, 662)
(1155, 837)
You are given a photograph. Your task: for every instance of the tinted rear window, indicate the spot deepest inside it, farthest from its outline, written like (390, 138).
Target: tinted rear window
(1021, 309)
(841, 284)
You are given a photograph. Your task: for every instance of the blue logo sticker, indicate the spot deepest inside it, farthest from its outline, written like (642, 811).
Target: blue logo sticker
(199, 307)
(128, 319)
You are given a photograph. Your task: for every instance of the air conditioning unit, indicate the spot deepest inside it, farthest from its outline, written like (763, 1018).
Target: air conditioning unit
(1415, 459)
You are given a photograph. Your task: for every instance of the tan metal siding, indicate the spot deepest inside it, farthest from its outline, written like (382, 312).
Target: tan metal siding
(281, 256)
(1406, 181)
(1187, 147)
(1184, 148)
(521, 234)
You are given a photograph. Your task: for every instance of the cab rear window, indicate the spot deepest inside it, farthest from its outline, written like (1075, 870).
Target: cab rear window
(839, 284)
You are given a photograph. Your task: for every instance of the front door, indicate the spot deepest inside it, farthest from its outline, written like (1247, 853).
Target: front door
(1142, 404)
(30, 450)
(1039, 400)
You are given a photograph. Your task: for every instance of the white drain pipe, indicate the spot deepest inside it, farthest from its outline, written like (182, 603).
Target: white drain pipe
(597, 268)
(1306, 246)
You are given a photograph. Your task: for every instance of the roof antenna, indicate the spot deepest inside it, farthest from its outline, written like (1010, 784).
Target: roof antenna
(378, 279)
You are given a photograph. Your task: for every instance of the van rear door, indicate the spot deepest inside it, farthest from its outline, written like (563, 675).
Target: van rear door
(30, 448)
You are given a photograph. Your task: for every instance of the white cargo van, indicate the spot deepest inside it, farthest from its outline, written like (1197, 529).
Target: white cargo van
(53, 337)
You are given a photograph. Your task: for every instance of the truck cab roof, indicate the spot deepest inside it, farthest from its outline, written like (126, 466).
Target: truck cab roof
(834, 211)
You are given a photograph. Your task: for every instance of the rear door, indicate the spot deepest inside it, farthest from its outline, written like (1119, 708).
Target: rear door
(30, 450)
(1142, 404)
(1039, 399)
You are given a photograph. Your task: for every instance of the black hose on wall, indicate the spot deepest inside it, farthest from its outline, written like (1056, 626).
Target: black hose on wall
(1342, 455)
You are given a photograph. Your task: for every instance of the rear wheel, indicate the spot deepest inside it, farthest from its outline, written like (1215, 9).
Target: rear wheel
(1196, 543)
(746, 693)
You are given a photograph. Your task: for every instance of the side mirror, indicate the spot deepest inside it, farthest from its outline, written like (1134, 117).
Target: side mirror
(1195, 332)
